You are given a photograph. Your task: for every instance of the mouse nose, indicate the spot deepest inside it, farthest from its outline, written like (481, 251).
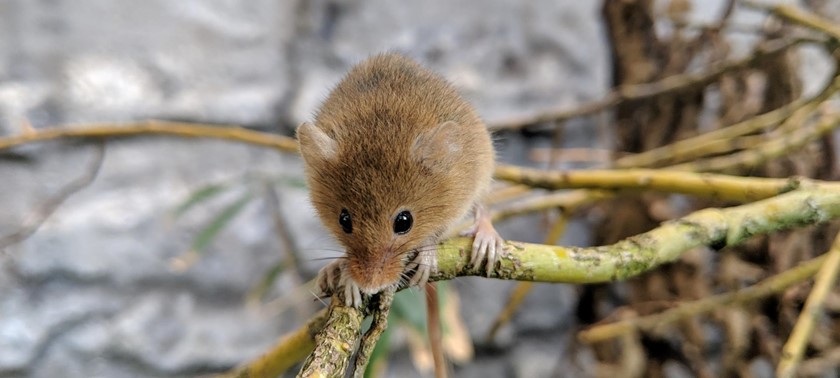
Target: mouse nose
(374, 275)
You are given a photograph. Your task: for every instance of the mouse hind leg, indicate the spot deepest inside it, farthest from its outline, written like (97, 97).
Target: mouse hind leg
(487, 243)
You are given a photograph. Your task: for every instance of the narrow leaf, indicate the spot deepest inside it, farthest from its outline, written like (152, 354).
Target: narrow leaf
(202, 194)
(211, 230)
(261, 288)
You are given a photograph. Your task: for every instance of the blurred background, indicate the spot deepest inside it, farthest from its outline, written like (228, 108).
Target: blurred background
(165, 257)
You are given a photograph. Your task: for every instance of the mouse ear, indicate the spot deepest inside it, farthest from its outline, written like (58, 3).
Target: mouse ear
(314, 143)
(436, 147)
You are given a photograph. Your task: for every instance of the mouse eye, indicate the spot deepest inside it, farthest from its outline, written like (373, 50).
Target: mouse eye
(345, 221)
(402, 223)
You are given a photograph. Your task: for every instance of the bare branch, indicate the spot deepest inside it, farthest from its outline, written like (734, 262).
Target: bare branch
(37, 217)
(635, 92)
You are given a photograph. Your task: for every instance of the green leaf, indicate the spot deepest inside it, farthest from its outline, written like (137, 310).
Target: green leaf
(258, 291)
(204, 193)
(292, 181)
(211, 230)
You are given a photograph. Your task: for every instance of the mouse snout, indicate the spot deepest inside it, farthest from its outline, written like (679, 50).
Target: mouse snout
(374, 274)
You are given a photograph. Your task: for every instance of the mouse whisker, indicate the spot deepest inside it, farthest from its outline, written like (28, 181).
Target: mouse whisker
(327, 258)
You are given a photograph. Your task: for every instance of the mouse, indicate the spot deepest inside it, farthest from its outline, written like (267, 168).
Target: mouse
(394, 158)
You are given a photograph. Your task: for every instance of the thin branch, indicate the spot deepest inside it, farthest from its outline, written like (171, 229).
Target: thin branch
(794, 348)
(632, 256)
(377, 327)
(764, 152)
(334, 343)
(818, 365)
(187, 130)
(799, 16)
(48, 207)
(668, 85)
(724, 187)
(699, 145)
(765, 288)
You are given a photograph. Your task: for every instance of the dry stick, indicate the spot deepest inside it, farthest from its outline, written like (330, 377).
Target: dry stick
(795, 346)
(435, 331)
(822, 363)
(187, 130)
(767, 151)
(724, 187)
(697, 146)
(633, 92)
(800, 17)
(48, 207)
(765, 288)
(554, 200)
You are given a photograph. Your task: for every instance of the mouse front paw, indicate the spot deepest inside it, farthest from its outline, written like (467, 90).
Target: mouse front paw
(334, 277)
(424, 264)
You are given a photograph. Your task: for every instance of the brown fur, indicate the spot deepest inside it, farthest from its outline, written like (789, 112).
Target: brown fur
(393, 136)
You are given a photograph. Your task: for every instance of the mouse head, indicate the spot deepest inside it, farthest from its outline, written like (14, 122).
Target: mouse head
(382, 199)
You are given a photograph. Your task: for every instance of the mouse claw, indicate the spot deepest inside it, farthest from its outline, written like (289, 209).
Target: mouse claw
(333, 277)
(425, 264)
(488, 244)
(326, 281)
(352, 293)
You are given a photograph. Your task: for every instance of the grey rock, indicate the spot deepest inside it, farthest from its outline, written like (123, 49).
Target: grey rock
(508, 57)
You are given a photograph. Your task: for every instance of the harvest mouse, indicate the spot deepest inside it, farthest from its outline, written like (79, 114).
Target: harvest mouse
(394, 159)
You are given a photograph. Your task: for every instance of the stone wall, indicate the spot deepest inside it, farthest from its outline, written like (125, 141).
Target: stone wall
(93, 292)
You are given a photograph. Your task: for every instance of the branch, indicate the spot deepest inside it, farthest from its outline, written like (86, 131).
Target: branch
(771, 149)
(800, 17)
(334, 343)
(697, 146)
(795, 346)
(724, 187)
(377, 326)
(765, 288)
(635, 92)
(187, 130)
(39, 216)
(716, 228)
